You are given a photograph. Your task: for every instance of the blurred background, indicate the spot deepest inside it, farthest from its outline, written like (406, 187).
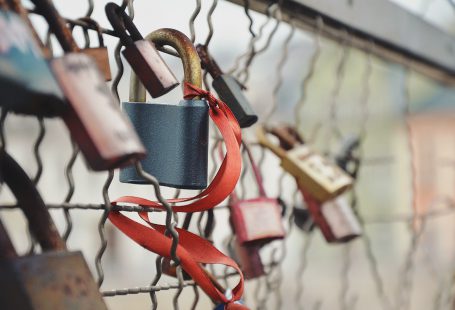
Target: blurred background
(404, 191)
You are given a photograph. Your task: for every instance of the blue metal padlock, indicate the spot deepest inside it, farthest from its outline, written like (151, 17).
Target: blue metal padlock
(175, 136)
(27, 84)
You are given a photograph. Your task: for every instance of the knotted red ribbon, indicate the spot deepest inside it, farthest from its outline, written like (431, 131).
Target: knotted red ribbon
(192, 249)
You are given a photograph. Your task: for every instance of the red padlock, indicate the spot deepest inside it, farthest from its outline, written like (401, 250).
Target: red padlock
(335, 219)
(256, 221)
(248, 258)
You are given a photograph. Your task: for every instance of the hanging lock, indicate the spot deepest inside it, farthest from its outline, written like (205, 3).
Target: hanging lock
(141, 54)
(26, 81)
(229, 89)
(335, 219)
(303, 219)
(321, 178)
(54, 279)
(347, 158)
(247, 257)
(103, 133)
(100, 54)
(256, 221)
(175, 136)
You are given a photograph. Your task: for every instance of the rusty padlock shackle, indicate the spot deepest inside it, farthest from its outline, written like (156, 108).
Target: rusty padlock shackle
(187, 52)
(31, 204)
(57, 24)
(97, 27)
(288, 136)
(122, 22)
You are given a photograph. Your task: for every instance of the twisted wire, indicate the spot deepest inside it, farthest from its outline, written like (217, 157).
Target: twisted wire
(193, 17)
(110, 176)
(283, 250)
(246, 9)
(364, 104)
(417, 227)
(251, 43)
(300, 272)
(210, 23)
(312, 66)
(276, 269)
(36, 150)
(101, 229)
(253, 53)
(339, 77)
(279, 69)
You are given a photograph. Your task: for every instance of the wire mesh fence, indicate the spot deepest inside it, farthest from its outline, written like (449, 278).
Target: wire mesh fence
(329, 91)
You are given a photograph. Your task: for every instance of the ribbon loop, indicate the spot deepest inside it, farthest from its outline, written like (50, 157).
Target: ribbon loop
(192, 249)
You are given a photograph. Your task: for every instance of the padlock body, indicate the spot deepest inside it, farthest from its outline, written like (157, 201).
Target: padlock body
(249, 260)
(52, 280)
(257, 221)
(176, 139)
(26, 82)
(104, 135)
(101, 57)
(335, 219)
(150, 68)
(230, 92)
(321, 178)
(343, 224)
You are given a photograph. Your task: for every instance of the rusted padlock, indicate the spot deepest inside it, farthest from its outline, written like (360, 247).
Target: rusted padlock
(55, 279)
(175, 135)
(256, 221)
(141, 54)
(104, 135)
(335, 219)
(27, 85)
(321, 178)
(228, 89)
(100, 54)
(247, 257)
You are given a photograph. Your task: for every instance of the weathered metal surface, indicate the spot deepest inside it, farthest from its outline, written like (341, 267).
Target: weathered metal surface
(228, 89)
(52, 280)
(175, 135)
(141, 54)
(408, 39)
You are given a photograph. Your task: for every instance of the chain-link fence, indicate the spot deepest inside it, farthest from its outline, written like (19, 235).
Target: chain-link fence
(329, 91)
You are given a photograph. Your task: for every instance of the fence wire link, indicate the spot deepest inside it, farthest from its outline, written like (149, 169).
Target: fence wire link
(267, 291)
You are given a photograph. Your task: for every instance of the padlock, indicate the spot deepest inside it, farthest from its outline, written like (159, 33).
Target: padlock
(320, 177)
(256, 221)
(335, 219)
(103, 133)
(247, 257)
(228, 89)
(141, 54)
(347, 157)
(302, 219)
(54, 279)
(27, 84)
(100, 54)
(175, 136)
(17, 7)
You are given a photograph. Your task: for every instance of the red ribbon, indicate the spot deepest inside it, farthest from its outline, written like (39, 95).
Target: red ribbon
(192, 249)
